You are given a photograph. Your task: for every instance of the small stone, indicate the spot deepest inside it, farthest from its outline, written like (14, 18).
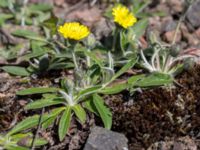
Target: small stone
(168, 24)
(163, 8)
(191, 38)
(169, 36)
(87, 16)
(102, 28)
(176, 6)
(103, 139)
(59, 2)
(193, 14)
(23, 102)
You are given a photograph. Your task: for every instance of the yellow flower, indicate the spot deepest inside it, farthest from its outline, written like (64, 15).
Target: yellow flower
(74, 31)
(123, 16)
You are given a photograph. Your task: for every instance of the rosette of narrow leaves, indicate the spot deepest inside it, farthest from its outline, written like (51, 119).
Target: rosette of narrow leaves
(165, 59)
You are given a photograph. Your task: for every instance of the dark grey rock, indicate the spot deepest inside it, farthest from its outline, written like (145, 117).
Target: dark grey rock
(103, 139)
(169, 25)
(193, 14)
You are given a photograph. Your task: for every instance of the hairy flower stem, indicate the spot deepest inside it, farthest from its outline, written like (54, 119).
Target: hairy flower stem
(73, 45)
(88, 65)
(115, 39)
(110, 59)
(74, 60)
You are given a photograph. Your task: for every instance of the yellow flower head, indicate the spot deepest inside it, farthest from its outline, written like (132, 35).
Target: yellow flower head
(74, 31)
(123, 16)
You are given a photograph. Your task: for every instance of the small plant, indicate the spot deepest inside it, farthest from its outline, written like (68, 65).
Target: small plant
(165, 60)
(126, 34)
(82, 91)
(73, 99)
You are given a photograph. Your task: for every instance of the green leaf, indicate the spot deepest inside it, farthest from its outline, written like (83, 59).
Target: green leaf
(19, 136)
(33, 55)
(123, 41)
(15, 147)
(32, 121)
(37, 48)
(126, 67)
(64, 123)
(80, 113)
(15, 70)
(4, 17)
(27, 123)
(49, 122)
(134, 79)
(139, 28)
(61, 65)
(4, 3)
(37, 142)
(51, 24)
(40, 7)
(49, 96)
(43, 103)
(114, 89)
(54, 114)
(88, 91)
(155, 79)
(28, 34)
(37, 90)
(104, 111)
(94, 58)
(89, 105)
(139, 6)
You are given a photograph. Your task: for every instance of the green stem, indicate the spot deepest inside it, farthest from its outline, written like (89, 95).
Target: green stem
(88, 65)
(114, 39)
(74, 59)
(72, 47)
(110, 59)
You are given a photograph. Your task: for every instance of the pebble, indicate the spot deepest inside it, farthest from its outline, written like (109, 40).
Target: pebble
(103, 139)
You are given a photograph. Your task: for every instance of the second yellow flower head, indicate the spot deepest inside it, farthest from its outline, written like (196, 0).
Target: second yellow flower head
(123, 16)
(74, 31)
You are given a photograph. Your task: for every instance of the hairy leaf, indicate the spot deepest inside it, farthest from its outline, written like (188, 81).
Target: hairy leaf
(15, 70)
(43, 103)
(80, 113)
(36, 90)
(129, 65)
(64, 123)
(114, 89)
(104, 111)
(27, 123)
(155, 79)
